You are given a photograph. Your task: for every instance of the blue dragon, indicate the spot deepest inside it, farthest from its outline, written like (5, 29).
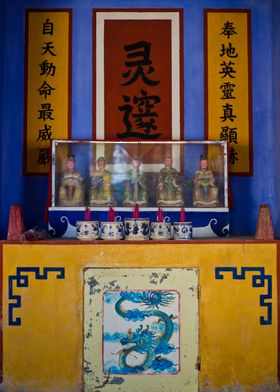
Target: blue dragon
(143, 340)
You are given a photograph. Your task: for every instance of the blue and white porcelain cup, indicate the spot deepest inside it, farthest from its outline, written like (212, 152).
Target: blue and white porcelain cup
(137, 229)
(161, 231)
(182, 230)
(87, 230)
(111, 230)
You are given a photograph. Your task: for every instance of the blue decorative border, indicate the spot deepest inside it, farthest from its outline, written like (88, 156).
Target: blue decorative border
(62, 223)
(21, 279)
(260, 280)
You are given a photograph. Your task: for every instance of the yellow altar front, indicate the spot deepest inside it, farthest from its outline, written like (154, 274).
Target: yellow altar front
(43, 310)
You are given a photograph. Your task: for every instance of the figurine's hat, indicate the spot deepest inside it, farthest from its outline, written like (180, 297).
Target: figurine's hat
(101, 159)
(203, 157)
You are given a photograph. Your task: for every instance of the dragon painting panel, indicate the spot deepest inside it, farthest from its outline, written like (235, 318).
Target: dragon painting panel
(140, 323)
(141, 332)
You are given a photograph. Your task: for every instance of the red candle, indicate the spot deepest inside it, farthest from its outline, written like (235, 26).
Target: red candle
(182, 215)
(112, 214)
(136, 213)
(87, 216)
(159, 215)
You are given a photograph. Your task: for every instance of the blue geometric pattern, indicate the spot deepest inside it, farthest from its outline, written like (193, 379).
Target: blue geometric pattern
(259, 279)
(21, 279)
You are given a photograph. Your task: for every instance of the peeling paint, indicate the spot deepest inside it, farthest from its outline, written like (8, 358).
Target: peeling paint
(92, 284)
(117, 380)
(100, 382)
(156, 278)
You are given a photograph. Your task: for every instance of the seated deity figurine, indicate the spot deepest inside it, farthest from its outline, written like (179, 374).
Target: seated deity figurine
(136, 185)
(169, 191)
(205, 190)
(71, 188)
(100, 185)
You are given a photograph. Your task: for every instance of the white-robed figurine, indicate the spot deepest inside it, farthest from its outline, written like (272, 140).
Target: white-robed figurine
(136, 191)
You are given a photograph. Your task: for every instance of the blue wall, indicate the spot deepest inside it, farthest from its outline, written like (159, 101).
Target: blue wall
(248, 192)
(276, 100)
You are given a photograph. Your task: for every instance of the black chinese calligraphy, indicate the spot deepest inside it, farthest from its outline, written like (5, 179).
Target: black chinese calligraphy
(227, 90)
(140, 65)
(233, 155)
(45, 112)
(228, 113)
(139, 116)
(46, 89)
(47, 68)
(45, 134)
(48, 27)
(47, 48)
(228, 29)
(43, 157)
(139, 111)
(229, 134)
(228, 50)
(227, 69)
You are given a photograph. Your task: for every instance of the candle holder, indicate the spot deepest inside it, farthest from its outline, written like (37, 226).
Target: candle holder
(182, 230)
(111, 230)
(87, 230)
(137, 229)
(161, 231)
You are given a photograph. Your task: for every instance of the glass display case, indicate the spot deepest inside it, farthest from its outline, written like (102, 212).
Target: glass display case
(188, 174)
(170, 176)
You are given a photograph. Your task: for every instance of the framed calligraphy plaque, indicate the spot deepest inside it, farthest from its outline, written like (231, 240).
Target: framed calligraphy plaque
(228, 102)
(137, 74)
(47, 112)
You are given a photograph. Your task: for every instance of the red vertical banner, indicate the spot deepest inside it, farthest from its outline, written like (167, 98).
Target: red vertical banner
(137, 74)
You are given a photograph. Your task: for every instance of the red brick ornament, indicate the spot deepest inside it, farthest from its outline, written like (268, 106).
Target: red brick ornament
(16, 226)
(264, 230)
